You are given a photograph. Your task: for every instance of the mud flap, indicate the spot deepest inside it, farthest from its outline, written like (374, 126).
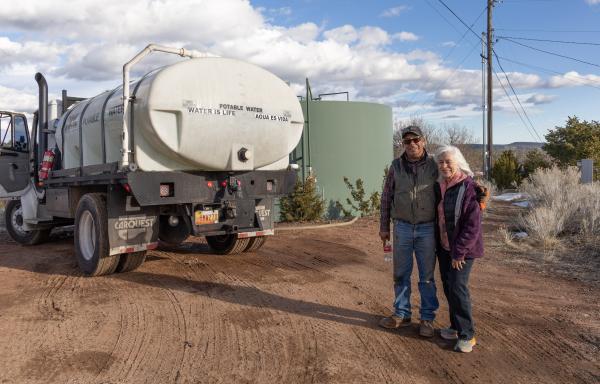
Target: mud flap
(264, 213)
(131, 227)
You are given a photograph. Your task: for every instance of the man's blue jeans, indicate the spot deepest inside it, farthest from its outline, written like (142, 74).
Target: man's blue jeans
(417, 239)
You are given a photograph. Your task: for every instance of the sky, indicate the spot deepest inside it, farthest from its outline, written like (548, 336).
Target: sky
(414, 55)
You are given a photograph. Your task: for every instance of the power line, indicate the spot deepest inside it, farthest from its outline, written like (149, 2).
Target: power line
(549, 30)
(452, 49)
(514, 106)
(552, 53)
(516, 96)
(442, 16)
(461, 20)
(583, 80)
(547, 40)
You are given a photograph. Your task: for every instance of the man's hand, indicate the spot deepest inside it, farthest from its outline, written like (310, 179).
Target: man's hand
(384, 236)
(458, 264)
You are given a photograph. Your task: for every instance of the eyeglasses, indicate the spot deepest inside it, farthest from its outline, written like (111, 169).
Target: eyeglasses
(415, 140)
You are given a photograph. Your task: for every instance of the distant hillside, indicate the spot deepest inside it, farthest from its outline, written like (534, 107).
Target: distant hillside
(517, 146)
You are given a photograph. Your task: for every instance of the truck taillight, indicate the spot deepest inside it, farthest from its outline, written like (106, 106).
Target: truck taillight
(209, 184)
(166, 190)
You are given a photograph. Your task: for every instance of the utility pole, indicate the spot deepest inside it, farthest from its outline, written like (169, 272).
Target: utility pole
(490, 108)
(484, 149)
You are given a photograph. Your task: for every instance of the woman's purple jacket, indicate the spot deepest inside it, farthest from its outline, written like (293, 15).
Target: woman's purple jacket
(466, 241)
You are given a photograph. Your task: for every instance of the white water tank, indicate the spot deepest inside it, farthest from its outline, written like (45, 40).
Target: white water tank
(196, 114)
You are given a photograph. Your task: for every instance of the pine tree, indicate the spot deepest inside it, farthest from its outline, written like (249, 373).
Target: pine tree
(304, 203)
(505, 170)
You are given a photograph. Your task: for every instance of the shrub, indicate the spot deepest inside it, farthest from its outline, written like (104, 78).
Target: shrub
(505, 170)
(303, 204)
(360, 203)
(576, 140)
(590, 209)
(535, 159)
(560, 204)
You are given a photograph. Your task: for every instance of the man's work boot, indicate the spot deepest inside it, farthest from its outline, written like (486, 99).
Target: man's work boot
(426, 328)
(393, 322)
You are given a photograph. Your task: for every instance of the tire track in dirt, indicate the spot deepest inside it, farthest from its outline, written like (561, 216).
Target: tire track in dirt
(258, 333)
(149, 335)
(536, 351)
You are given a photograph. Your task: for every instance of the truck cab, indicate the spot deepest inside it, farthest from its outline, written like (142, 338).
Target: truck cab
(14, 154)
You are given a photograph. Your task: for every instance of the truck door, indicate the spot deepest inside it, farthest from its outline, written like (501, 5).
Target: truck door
(14, 153)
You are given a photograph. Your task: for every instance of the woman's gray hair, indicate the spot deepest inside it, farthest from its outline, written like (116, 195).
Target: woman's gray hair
(457, 155)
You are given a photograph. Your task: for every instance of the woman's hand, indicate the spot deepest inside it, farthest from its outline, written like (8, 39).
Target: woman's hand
(458, 264)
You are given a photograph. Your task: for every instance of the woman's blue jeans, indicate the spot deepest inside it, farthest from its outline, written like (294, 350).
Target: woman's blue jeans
(417, 239)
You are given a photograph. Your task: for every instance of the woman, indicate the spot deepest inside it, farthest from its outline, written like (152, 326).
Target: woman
(460, 242)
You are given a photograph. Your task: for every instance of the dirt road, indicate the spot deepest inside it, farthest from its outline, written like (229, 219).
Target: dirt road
(304, 309)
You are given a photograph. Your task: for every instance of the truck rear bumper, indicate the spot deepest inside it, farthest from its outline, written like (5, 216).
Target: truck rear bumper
(208, 187)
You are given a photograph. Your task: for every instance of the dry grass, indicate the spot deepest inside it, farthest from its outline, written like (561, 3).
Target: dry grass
(563, 225)
(561, 206)
(570, 256)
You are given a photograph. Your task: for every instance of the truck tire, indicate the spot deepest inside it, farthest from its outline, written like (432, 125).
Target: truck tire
(255, 243)
(130, 261)
(13, 215)
(227, 244)
(91, 236)
(176, 235)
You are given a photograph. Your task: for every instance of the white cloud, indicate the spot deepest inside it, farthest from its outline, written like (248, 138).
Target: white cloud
(137, 21)
(539, 98)
(85, 51)
(18, 100)
(14, 53)
(405, 36)
(373, 37)
(572, 78)
(304, 33)
(344, 35)
(592, 2)
(449, 44)
(395, 11)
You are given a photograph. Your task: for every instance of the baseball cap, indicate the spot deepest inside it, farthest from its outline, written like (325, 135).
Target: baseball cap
(412, 129)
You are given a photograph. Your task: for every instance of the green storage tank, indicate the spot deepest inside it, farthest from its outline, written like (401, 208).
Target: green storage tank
(344, 138)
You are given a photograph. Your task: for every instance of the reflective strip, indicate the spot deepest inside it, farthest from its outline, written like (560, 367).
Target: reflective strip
(266, 232)
(133, 248)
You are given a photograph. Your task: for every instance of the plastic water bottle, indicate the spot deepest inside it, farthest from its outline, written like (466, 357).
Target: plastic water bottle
(387, 251)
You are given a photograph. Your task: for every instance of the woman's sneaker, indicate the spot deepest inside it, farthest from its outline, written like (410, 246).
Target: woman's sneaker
(465, 346)
(448, 334)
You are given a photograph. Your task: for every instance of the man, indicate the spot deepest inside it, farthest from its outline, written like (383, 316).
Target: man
(409, 198)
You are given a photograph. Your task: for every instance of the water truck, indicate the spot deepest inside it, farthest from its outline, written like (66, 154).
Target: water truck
(200, 147)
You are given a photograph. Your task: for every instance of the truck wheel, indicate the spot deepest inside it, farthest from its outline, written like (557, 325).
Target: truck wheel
(130, 261)
(13, 215)
(91, 236)
(227, 244)
(174, 235)
(255, 243)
